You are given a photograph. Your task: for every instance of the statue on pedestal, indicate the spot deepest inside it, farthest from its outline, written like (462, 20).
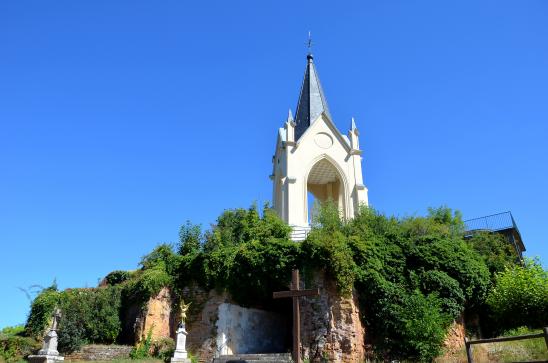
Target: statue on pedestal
(180, 355)
(49, 353)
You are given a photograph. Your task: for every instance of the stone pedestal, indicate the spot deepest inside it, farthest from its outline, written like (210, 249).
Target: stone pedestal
(44, 358)
(48, 353)
(180, 355)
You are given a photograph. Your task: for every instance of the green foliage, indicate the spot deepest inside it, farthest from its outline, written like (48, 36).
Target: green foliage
(237, 226)
(455, 258)
(13, 330)
(143, 349)
(246, 253)
(423, 327)
(520, 296)
(117, 277)
(89, 315)
(190, 238)
(158, 269)
(413, 275)
(163, 349)
(14, 346)
(445, 217)
(328, 249)
(447, 290)
(496, 251)
(146, 283)
(41, 311)
(259, 268)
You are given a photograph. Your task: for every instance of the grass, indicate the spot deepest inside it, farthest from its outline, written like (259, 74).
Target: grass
(503, 352)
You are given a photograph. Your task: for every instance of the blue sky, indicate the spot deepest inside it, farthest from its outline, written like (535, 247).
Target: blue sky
(121, 120)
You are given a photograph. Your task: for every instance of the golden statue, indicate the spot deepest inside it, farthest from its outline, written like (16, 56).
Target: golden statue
(183, 308)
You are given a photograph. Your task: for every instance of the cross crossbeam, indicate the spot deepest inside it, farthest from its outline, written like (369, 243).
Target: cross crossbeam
(295, 293)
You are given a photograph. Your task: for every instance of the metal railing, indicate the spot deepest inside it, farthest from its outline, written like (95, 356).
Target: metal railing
(468, 343)
(493, 223)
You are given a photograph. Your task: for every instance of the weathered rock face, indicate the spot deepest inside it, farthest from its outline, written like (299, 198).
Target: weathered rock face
(330, 325)
(454, 340)
(157, 317)
(160, 316)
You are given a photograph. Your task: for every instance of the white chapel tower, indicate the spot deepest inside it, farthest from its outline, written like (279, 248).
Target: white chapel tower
(313, 157)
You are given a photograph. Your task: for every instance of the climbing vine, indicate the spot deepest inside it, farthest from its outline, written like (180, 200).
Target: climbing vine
(413, 276)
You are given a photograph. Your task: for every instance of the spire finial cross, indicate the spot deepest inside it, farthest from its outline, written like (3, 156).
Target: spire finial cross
(309, 43)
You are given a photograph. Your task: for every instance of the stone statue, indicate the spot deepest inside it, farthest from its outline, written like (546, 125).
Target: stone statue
(180, 355)
(49, 353)
(56, 318)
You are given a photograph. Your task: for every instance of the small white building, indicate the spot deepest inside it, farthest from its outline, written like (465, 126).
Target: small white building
(314, 158)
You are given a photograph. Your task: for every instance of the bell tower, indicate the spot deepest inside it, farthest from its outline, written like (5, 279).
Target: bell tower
(314, 160)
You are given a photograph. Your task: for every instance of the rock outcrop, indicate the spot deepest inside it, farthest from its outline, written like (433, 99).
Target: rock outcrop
(330, 325)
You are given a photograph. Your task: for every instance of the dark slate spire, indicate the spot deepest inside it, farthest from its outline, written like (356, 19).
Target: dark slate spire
(312, 101)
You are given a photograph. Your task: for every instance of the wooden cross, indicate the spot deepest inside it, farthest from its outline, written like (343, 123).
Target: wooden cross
(295, 293)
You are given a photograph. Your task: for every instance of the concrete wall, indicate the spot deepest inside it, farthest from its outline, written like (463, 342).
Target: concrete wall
(243, 330)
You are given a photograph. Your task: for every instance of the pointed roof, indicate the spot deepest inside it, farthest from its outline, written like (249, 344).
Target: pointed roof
(312, 102)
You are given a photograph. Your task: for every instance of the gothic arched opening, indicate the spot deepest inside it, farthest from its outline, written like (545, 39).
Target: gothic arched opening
(324, 183)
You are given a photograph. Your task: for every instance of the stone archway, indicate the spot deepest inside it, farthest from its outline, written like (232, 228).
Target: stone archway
(325, 183)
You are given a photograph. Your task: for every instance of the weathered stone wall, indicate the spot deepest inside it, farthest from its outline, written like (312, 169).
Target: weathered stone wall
(330, 325)
(100, 352)
(246, 331)
(202, 317)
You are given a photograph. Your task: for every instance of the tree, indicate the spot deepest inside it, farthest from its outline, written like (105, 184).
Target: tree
(520, 296)
(190, 238)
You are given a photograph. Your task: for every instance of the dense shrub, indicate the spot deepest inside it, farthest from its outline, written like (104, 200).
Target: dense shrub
(495, 250)
(520, 296)
(14, 346)
(190, 239)
(158, 269)
(238, 226)
(89, 315)
(163, 349)
(246, 253)
(261, 267)
(328, 250)
(413, 275)
(117, 277)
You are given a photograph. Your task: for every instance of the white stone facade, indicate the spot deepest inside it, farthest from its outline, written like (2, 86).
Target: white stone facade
(323, 162)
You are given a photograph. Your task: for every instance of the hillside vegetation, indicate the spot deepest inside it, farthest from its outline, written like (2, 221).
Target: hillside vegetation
(413, 276)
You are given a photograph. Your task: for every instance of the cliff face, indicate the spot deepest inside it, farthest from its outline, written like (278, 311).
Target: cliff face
(330, 325)
(331, 328)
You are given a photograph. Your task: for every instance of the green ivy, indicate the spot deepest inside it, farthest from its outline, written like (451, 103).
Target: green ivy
(41, 311)
(413, 275)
